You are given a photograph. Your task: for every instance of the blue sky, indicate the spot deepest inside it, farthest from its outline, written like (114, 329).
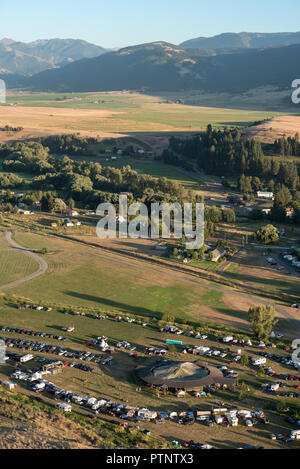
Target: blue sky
(118, 23)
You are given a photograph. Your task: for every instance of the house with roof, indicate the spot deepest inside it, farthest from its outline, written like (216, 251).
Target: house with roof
(70, 213)
(265, 195)
(217, 254)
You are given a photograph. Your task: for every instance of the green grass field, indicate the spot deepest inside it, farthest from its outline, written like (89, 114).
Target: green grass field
(156, 169)
(13, 264)
(27, 178)
(76, 100)
(132, 112)
(77, 277)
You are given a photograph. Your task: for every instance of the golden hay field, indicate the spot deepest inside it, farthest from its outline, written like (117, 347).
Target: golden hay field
(274, 128)
(113, 115)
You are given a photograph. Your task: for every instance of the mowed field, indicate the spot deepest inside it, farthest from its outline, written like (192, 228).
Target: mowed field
(115, 114)
(14, 265)
(158, 170)
(79, 277)
(151, 167)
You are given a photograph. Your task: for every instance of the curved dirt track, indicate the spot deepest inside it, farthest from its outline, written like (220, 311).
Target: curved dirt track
(160, 271)
(42, 263)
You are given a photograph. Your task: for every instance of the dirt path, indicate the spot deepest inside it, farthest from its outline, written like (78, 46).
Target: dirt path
(161, 271)
(42, 263)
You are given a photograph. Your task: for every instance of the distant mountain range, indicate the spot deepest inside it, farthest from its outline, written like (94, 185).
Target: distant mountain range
(243, 41)
(30, 58)
(228, 63)
(161, 66)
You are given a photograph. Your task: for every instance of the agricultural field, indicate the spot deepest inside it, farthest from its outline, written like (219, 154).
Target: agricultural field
(148, 166)
(277, 127)
(265, 97)
(115, 115)
(156, 169)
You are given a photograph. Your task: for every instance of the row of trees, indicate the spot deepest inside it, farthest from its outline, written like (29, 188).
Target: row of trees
(286, 146)
(71, 144)
(287, 176)
(85, 181)
(224, 152)
(10, 180)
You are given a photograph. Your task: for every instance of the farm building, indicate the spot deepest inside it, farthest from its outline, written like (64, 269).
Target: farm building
(70, 213)
(69, 223)
(217, 254)
(265, 195)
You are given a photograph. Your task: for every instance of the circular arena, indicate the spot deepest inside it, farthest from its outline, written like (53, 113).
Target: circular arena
(183, 375)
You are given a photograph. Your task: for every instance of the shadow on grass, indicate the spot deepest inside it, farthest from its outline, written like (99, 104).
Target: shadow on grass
(285, 286)
(115, 304)
(236, 123)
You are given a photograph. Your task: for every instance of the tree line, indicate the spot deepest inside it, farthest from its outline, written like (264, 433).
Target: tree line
(225, 153)
(86, 182)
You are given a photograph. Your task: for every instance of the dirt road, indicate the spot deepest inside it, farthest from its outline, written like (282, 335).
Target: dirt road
(160, 270)
(42, 263)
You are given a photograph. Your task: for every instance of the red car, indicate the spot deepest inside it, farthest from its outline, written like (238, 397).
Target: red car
(187, 444)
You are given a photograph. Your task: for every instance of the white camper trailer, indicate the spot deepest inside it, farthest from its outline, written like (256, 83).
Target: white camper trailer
(8, 385)
(26, 358)
(63, 406)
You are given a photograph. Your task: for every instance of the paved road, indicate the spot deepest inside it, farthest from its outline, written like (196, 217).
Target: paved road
(42, 263)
